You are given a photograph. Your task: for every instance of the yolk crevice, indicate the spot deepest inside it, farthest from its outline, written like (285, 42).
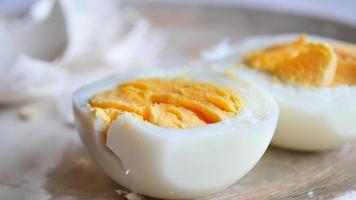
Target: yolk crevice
(170, 103)
(307, 63)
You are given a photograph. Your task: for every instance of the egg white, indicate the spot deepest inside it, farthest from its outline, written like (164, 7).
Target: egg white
(310, 119)
(179, 163)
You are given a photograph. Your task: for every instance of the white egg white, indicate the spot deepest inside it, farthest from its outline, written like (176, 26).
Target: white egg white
(179, 163)
(310, 119)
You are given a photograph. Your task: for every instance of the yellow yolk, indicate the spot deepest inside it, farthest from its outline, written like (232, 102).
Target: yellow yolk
(268, 59)
(301, 61)
(170, 103)
(346, 64)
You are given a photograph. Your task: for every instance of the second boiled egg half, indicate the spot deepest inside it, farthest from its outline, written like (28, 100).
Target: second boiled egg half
(313, 80)
(178, 133)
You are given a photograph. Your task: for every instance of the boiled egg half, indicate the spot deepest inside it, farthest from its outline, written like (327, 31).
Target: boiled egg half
(177, 133)
(313, 79)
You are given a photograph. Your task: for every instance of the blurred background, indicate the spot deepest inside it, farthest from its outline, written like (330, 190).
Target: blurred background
(336, 10)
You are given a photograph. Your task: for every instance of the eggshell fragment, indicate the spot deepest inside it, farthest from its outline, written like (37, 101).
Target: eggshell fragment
(29, 46)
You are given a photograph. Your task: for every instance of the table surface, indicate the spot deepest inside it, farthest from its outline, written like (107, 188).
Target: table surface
(189, 29)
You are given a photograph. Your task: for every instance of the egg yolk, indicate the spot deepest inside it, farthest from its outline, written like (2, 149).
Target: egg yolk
(307, 63)
(170, 103)
(301, 61)
(346, 64)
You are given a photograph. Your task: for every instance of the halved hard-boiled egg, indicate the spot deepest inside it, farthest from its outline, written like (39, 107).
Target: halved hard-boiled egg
(313, 80)
(178, 133)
